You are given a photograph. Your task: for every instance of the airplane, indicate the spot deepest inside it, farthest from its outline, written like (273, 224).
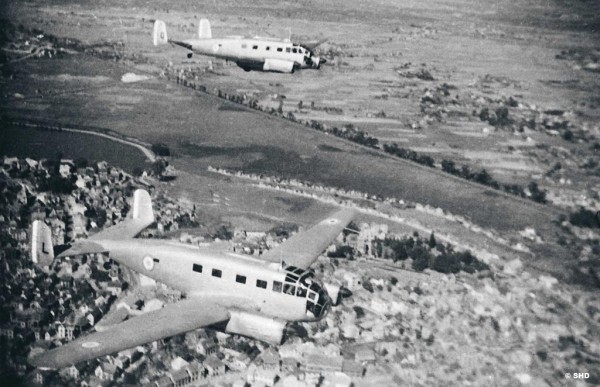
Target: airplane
(251, 296)
(259, 54)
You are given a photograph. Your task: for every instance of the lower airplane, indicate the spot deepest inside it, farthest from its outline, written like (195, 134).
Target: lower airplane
(259, 54)
(250, 296)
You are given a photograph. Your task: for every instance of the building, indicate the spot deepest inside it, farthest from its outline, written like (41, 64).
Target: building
(317, 363)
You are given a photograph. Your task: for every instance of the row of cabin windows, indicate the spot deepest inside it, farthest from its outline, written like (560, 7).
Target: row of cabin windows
(279, 49)
(277, 286)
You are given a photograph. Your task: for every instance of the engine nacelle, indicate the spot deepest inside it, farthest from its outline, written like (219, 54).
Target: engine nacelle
(278, 65)
(334, 292)
(258, 327)
(337, 293)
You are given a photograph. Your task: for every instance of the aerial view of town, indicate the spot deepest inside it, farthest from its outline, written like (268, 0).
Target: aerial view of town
(452, 147)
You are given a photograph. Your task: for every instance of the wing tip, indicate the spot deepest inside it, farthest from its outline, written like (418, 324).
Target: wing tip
(42, 360)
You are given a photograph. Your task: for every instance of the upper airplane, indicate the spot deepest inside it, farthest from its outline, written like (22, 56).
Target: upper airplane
(253, 296)
(260, 54)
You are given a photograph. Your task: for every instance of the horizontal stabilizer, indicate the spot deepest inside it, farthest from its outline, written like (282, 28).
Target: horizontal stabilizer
(142, 216)
(82, 247)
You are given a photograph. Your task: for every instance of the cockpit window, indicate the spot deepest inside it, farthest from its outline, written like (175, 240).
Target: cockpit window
(217, 273)
(311, 296)
(301, 292)
(197, 268)
(279, 49)
(277, 286)
(289, 289)
(287, 49)
(291, 278)
(255, 47)
(294, 50)
(240, 278)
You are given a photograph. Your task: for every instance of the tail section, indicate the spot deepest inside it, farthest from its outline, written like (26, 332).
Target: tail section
(141, 216)
(142, 206)
(42, 251)
(160, 33)
(204, 31)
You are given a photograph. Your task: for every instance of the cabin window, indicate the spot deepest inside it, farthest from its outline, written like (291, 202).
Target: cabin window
(289, 289)
(279, 49)
(240, 278)
(287, 49)
(255, 47)
(197, 268)
(244, 45)
(277, 286)
(268, 48)
(301, 292)
(294, 50)
(261, 284)
(217, 273)
(300, 51)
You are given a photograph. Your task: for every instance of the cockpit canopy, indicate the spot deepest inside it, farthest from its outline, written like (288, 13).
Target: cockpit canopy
(304, 284)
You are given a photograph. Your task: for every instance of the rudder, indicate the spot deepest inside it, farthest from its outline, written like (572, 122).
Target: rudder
(204, 31)
(42, 251)
(142, 206)
(160, 33)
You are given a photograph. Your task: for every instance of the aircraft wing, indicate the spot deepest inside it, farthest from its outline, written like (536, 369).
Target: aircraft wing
(173, 319)
(302, 249)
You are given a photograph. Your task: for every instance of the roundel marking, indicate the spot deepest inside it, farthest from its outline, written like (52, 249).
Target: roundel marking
(90, 344)
(148, 262)
(331, 221)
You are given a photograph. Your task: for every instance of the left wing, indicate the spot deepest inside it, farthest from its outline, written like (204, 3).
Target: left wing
(302, 249)
(173, 319)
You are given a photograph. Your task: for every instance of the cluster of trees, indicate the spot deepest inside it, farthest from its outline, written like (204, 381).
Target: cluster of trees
(161, 149)
(499, 119)
(54, 181)
(483, 177)
(585, 218)
(428, 253)
(409, 154)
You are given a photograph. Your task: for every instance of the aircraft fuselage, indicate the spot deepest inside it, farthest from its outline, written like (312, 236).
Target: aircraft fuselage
(243, 282)
(256, 54)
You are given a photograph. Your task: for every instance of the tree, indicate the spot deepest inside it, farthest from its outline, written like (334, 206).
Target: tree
(537, 194)
(432, 241)
(224, 233)
(161, 149)
(448, 166)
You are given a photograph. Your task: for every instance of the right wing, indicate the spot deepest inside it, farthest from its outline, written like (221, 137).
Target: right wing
(173, 319)
(302, 249)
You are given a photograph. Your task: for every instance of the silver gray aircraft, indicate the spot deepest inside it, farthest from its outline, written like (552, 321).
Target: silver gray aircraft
(253, 296)
(260, 54)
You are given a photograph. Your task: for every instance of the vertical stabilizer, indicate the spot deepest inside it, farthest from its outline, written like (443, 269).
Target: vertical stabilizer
(204, 31)
(42, 252)
(160, 33)
(142, 206)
